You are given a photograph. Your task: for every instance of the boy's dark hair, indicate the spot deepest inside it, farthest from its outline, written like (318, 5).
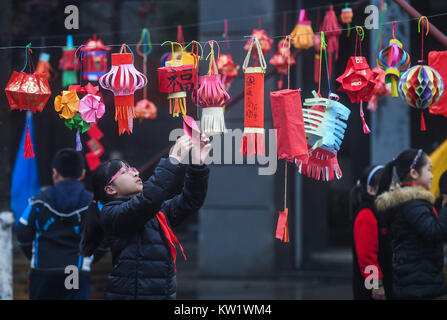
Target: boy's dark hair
(69, 163)
(405, 161)
(443, 183)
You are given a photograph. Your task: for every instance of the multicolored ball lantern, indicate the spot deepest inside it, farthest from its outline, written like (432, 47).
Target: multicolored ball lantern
(27, 92)
(282, 60)
(394, 60)
(212, 97)
(94, 62)
(253, 138)
(69, 64)
(420, 87)
(302, 35)
(176, 79)
(123, 80)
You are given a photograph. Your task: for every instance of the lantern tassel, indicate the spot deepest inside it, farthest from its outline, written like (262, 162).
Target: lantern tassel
(179, 105)
(362, 115)
(282, 230)
(394, 87)
(78, 141)
(213, 121)
(28, 151)
(423, 128)
(253, 143)
(124, 113)
(316, 68)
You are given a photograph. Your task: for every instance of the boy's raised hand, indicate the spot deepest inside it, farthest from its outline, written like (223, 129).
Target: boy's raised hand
(200, 151)
(179, 152)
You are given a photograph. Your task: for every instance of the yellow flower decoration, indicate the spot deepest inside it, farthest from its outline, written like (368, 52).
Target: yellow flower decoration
(67, 104)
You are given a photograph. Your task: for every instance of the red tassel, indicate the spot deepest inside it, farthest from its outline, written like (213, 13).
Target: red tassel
(28, 152)
(316, 68)
(282, 230)
(423, 128)
(253, 144)
(362, 115)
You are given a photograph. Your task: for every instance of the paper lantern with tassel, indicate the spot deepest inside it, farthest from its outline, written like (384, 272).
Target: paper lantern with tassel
(94, 62)
(302, 35)
(253, 138)
(69, 64)
(346, 16)
(332, 30)
(212, 97)
(394, 60)
(123, 80)
(281, 60)
(420, 87)
(27, 92)
(176, 79)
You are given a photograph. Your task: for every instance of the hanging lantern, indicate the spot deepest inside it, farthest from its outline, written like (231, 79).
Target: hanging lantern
(176, 79)
(289, 124)
(282, 59)
(380, 88)
(325, 129)
(228, 69)
(437, 60)
(43, 66)
(94, 62)
(123, 80)
(332, 30)
(212, 97)
(253, 138)
(421, 87)
(145, 109)
(302, 35)
(27, 92)
(264, 41)
(346, 17)
(394, 60)
(69, 64)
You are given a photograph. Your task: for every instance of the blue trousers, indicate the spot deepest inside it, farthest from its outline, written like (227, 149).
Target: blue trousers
(52, 287)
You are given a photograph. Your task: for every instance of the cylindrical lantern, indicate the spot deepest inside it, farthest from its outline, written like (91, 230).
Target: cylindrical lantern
(394, 60)
(94, 62)
(69, 64)
(212, 97)
(253, 138)
(123, 80)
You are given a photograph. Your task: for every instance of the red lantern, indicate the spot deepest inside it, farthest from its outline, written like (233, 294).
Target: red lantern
(282, 59)
(69, 64)
(264, 41)
(437, 60)
(380, 88)
(123, 80)
(253, 139)
(27, 92)
(176, 79)
(94, 62)
(227, 68)
(332, 30)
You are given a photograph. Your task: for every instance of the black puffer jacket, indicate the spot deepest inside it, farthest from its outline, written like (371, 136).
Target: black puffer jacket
(143, 267)
(417, 235)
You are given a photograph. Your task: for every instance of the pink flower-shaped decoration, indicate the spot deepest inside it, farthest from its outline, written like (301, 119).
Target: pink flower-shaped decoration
(91, 108)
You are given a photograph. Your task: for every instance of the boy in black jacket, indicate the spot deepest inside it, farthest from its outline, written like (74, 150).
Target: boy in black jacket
(50, 228)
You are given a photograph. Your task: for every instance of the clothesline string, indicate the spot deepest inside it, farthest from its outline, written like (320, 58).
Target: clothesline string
(205, 23)
(234, 40)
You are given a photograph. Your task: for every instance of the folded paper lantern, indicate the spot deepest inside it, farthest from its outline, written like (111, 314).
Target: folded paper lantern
(323, 122)
(394, 60)
(358, 80)
(332, 30)
(289, 124)
(27, 91)
(380, 89)
(282, 59)
(253, 138)
(437, 60)
(264, 41)
(176, 79)
(145, 109)
(302, 35)
(123, 80)
(43, 66)
(67, 104)
(94, 62)
(420, 87)
(212, 97)
(69, 64)
(227, 68)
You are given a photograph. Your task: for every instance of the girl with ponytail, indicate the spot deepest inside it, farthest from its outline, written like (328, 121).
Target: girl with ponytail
(134, 219)
(417, 230)
(370, 242)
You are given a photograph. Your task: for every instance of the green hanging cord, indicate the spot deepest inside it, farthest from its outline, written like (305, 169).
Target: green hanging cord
(201, 48)
(145, 40)
(323, 44)
(26, 55)
(130, 52)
